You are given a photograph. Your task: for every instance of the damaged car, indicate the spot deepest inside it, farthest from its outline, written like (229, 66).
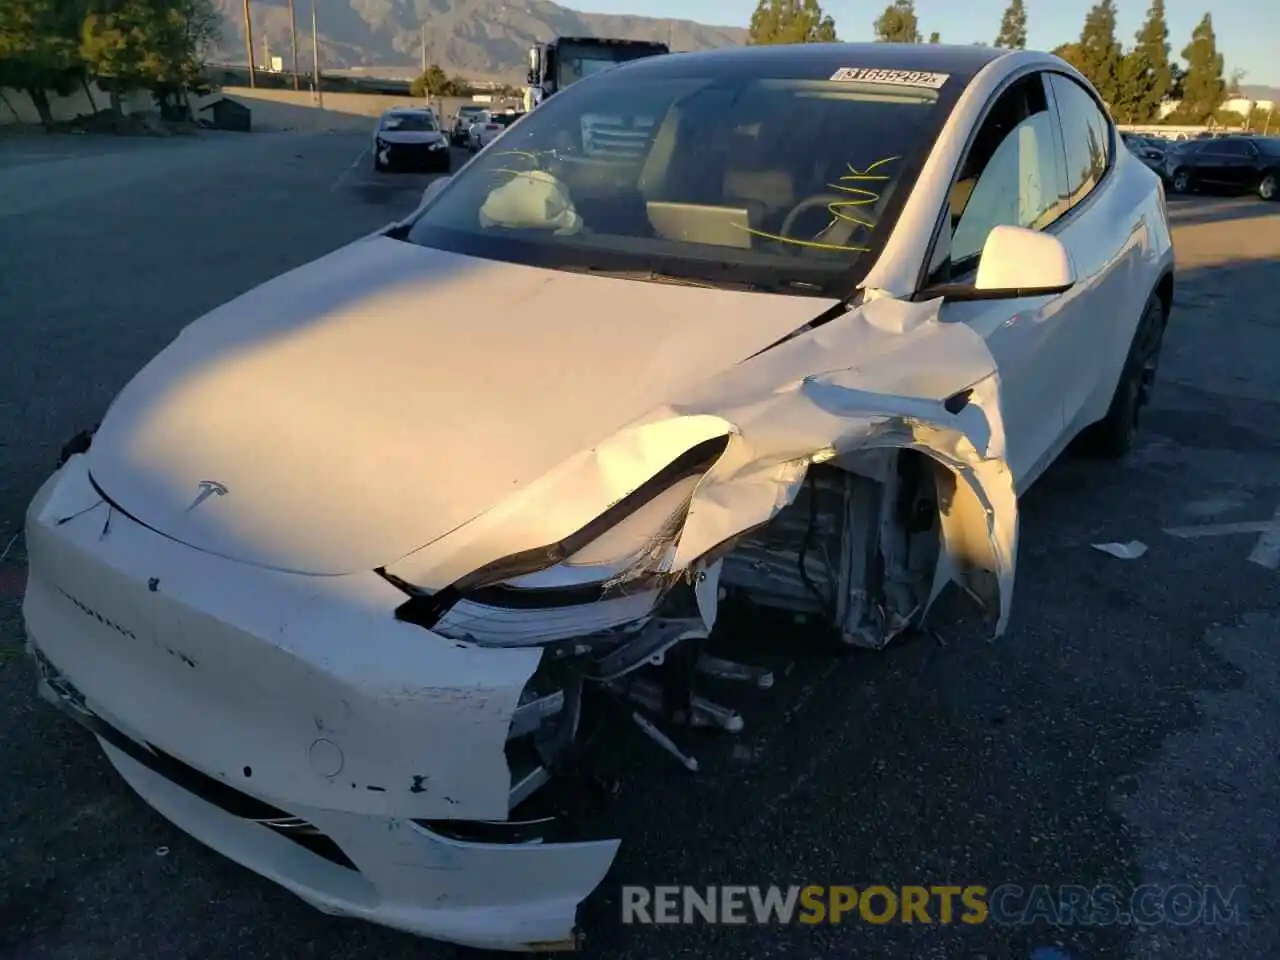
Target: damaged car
(350, 570)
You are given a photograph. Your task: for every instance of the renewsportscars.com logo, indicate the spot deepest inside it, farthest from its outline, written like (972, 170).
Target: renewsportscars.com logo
(1008, 904)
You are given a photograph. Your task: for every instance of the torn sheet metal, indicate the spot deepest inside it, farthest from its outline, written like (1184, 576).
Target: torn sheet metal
(883, 375)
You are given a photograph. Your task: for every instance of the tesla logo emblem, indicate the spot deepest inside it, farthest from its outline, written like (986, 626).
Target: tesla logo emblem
(208, 488)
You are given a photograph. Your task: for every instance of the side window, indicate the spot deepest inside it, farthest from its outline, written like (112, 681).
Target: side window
(1086, 135)
(1012, 175)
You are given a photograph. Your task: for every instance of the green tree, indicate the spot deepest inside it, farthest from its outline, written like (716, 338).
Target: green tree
(113, 37)
(1100, 52)
(898, 23)
(1071, 53)
(1013, 27)
(1147, 74)
(1128, 104)
(935, 37)
(38, 50)
(1203, 88)
(790, 21)
(434, 83)
(147, 44)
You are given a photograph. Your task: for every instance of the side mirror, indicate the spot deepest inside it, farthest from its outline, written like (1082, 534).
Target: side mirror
(1015, 263)
(1014, 258)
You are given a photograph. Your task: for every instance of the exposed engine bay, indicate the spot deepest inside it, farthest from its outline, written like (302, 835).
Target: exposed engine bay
(855, 555)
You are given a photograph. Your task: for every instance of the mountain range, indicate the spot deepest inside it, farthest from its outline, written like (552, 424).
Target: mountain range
(1256, 91)
(476, 39)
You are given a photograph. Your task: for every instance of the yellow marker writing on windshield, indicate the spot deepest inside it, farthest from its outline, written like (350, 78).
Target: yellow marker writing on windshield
(858, 197)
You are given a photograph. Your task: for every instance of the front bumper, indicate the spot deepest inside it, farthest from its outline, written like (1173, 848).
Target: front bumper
(415, 156)
(292, 724)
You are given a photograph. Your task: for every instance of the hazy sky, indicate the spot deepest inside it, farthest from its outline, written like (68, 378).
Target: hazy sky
(1248, 30)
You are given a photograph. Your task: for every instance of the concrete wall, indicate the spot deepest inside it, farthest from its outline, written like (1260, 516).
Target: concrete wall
(16, 106)
(272, 109)
(300, 110)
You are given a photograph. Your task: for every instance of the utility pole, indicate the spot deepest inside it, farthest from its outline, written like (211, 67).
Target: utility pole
(424, 47)
(266, 53)
(248, 43)
(315, 55)
(293, 43)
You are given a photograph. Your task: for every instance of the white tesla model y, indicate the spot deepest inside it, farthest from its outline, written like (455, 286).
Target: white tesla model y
(347, 570)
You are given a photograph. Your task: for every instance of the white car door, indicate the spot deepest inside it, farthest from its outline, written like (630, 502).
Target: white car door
(1014, 174)
(1111, 236)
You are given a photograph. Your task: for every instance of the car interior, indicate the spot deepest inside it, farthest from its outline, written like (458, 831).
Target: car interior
(731, 170)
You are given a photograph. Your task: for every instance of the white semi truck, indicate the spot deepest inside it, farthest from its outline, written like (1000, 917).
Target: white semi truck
(560, 62)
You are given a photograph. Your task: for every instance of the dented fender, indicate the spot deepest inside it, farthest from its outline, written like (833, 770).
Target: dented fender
(885, 374)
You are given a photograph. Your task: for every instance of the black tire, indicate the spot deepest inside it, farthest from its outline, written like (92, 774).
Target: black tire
(1268, 187)
(1181, 181)
(1113, 437)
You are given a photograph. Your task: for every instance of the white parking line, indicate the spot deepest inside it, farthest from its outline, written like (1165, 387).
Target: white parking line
(341, 178)
(1266, 552)
(1221, 529)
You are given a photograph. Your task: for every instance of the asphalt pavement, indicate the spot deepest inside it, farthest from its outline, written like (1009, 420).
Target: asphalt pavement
(1122, 733)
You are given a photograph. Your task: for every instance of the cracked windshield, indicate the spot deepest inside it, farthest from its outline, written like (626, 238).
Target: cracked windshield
(779, 182)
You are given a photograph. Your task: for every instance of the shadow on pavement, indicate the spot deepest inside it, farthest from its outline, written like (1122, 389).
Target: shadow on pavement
(1207, 208)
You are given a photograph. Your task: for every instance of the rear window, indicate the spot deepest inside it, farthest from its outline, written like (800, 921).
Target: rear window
(1268, 145)
(504, 119)
(408, 121)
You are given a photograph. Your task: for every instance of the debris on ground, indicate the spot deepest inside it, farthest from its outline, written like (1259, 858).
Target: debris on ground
(1122, 551)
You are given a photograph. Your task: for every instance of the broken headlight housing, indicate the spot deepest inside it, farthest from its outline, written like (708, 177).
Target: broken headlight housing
(622, 555)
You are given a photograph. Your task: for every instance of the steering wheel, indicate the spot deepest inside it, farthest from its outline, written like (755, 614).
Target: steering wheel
(842, 201)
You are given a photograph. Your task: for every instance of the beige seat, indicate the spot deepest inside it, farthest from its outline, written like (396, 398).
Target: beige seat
(765, 194)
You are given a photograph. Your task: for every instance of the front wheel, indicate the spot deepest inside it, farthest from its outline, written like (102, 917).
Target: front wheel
(1182, 180)
(1114, 435)
(1268, 189)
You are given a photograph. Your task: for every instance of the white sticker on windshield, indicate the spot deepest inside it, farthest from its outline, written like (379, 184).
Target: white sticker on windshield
(900, 78)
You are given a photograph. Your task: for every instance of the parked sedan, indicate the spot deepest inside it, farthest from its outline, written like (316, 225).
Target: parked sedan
(1241, 164)
(410, 138)
(354, 577)
(1147, 149)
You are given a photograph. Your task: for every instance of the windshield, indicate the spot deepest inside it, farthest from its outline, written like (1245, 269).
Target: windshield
(408, 121)
(777, 182)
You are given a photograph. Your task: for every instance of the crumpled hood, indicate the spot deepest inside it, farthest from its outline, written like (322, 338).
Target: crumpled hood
(372, 401)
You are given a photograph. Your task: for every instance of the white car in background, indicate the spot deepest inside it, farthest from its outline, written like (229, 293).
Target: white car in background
(353, 576)
(462, 121)
(410, 138)
(486, 127)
